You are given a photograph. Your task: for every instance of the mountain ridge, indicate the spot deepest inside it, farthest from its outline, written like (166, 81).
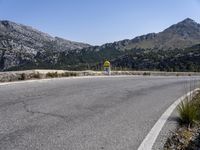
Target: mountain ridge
(154, 40)
(31, 48)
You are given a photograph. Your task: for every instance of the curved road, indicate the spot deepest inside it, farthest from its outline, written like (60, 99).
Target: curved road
(111, 113)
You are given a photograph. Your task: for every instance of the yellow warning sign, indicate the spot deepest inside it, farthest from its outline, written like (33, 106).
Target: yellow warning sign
(106, 64)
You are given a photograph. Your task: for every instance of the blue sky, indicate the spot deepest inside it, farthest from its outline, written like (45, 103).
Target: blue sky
(99, 21)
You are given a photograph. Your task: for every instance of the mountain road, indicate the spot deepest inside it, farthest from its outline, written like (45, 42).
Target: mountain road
(111, 113)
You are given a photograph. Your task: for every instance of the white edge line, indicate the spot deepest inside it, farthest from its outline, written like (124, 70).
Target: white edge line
(68, 78)
(50, 79)
(151, 137)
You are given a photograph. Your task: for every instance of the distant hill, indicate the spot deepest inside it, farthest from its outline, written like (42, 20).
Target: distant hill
(187, 59)
(174, 49)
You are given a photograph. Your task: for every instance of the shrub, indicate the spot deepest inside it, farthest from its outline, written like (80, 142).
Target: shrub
(68, 74)
(52, 74)
(196, 103)
(188, 113)
(146, 74)
(73, 74)
(22, 77)
(65, 74)
(37, 75)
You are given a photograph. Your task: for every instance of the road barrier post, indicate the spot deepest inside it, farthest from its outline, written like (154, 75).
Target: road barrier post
(107, 68)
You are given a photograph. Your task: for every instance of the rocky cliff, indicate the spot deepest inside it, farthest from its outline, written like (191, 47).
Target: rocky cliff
(20, 44)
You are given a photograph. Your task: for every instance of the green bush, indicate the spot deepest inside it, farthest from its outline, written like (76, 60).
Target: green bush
(196, 103)
(22, 77)
(68, 74)
(146, 74)
(65, 74)
(188, 113)
(37, 75)
(73, 74)
(52, 74)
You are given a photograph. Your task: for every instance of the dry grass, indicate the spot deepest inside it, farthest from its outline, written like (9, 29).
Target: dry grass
(187, 136)
(188, 113)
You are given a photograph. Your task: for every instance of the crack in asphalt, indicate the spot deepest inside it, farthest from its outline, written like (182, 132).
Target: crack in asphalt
(25, 106)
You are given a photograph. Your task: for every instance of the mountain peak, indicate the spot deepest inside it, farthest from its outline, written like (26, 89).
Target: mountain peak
(180, 35)
(187, 25)
(188, 21)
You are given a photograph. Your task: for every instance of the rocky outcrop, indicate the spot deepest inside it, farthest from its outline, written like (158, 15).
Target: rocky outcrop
(20, 44)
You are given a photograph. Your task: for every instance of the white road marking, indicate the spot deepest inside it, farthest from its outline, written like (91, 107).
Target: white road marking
(77, 77)
(151, 137)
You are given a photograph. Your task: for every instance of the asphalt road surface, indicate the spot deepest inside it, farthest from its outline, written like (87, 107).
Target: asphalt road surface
(112, 113)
